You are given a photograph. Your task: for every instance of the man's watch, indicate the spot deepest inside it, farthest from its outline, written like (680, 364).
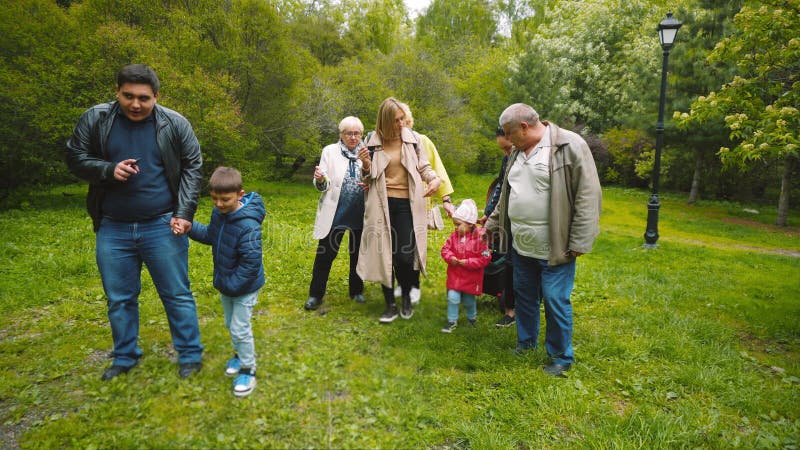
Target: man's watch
(446, 200)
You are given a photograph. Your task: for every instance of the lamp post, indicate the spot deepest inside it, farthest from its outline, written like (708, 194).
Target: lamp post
(667, 30)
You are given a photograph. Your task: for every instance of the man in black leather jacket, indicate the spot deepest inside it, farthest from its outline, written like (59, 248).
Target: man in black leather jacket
(143, 165)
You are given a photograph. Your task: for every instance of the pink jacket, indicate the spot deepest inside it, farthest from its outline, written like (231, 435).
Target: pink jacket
(467, 279)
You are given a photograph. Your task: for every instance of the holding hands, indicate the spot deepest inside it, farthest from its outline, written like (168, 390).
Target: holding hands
(180, 226)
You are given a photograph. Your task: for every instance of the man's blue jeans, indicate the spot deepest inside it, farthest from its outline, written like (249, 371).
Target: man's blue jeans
(238, 312)
(535, 280)
(122, 247)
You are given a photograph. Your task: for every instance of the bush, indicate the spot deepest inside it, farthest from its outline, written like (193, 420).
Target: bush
(626, 147)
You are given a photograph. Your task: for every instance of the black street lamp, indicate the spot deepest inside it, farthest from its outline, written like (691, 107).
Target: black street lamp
(667, 30)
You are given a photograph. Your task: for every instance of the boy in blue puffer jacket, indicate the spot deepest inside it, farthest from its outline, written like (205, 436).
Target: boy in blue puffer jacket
(235, 238)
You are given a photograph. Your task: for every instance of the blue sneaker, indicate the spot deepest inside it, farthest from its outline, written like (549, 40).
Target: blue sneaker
(244, 384)
(233, 366)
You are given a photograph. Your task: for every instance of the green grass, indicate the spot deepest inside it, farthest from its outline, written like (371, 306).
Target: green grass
(694, 344)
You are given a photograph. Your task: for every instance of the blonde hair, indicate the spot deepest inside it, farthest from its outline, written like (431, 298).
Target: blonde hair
(409, 117)
(384, 126)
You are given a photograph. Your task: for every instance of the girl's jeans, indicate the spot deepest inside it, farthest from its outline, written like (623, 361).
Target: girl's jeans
(453, 300)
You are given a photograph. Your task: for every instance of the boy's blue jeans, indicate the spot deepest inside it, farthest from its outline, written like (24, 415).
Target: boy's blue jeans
(238, 311)
(534, 281)
(122, 247)
(453, 300)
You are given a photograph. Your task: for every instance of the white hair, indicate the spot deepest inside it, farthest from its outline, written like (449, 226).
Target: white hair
(351, 122)
(517, 113)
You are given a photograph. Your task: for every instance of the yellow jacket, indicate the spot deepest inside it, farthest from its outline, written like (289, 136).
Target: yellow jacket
(446, 188)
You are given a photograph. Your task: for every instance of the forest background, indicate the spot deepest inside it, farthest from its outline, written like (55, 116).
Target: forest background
(264, 83)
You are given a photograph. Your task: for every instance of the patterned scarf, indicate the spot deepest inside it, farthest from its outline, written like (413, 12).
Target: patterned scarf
(350, 155)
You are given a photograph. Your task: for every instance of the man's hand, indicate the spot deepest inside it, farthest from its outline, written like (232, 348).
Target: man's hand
(573, 253)
(125, 168)
(180, 226)
(483, 219)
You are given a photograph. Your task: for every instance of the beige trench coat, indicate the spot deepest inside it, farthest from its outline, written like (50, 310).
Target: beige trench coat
(375, 256)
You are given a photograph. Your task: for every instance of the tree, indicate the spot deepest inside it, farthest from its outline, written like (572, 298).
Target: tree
(760, 104)
(692, 74)
(593, 63)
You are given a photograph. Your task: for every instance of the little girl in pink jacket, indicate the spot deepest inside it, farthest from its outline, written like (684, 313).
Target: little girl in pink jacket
(466, 254)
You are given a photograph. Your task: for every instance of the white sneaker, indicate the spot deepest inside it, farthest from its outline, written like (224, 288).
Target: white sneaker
(415, 295)
(398, 292)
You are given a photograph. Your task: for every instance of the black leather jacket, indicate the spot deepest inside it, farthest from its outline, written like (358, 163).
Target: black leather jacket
(180, 152)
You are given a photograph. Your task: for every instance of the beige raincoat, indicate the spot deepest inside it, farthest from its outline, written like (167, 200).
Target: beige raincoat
(375, 256)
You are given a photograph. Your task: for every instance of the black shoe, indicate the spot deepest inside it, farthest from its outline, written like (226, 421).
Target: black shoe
(473, 322)
(312, 303)
(449, 327)
(557, 370)
(407, 310)
(389, 315)
(187, 369)
(358, 298)
(115, 371)
(505, 321)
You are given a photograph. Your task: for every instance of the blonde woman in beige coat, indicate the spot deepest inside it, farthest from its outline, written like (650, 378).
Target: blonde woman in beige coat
(395, 233)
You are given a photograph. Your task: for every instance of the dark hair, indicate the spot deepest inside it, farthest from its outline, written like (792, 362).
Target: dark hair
(140, 74)
(224, 180)
(499, 132)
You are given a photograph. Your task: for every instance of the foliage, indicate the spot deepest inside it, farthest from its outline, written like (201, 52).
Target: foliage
(628, 148)
(593, 63)
(759, 105)
(35, 65)
(667, 357)
(265, 83)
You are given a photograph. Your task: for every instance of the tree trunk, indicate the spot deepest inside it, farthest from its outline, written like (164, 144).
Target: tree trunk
(694, 193)
(783, 202)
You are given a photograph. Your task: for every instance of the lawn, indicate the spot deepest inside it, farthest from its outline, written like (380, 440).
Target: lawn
(694, 344)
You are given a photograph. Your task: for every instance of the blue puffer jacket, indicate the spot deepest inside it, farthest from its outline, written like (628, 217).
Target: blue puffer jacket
(235, 241)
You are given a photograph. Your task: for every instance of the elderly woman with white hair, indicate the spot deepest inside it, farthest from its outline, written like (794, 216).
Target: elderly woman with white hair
(340, 210)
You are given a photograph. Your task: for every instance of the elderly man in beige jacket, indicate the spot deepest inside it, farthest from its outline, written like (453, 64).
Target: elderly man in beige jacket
(549, 213)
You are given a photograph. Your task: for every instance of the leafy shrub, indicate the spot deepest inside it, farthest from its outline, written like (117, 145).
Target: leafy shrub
(626, 148)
